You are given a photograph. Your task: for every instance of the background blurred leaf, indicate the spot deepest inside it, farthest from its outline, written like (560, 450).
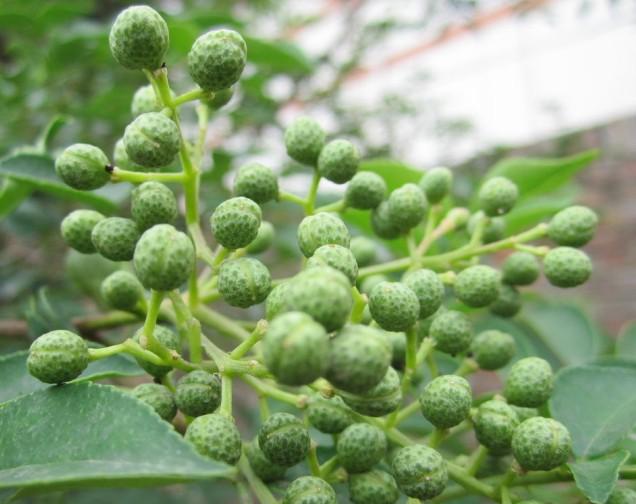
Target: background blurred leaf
(395, 173)
(277, 55)
(626, 342)
(12, 194)
(52, 128)
(46, 312)
(597, 478)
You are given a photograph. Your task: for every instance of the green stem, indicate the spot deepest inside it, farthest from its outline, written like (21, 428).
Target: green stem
(192, 95)
(336, 206)
(461, 477)
(263, 407)
(156, 297)
(259, 488)
(329, 466)
(312, 460)
(192, 326)
(264, 388)
(291, 198)
(226, 395)
(119, 175)
(467, 367)
(436, 437)
(101, 353)
(538, 251)
(432, 365)
(104, 321)
(252, 340)
(221, 323)
(476, 460)
(505, 495)
(313, 191)
(359, 303)
(406, 412)
(426, 348)
(203, 115)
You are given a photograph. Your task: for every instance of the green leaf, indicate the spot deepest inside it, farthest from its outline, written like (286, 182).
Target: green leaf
(530, 212)
(597, 404)
(394, 173)
(278, 55)
(16, 380)
(38, 172)
(12, 194)
(626, 342)
(85, 434)
(597, 478)
(50, 130)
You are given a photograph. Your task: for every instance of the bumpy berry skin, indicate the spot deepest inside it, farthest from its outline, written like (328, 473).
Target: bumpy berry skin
(493, 349)
(338, 161)
(152, 140)
(394, 306)
(446, 401)
(256, 182)
(508, 303)
(158, 397)
(573, 226)
(145, 100)
(359, 358)
(215, 436)
(368, 283)
(337, 257)
(365, 191)
(83, 167)
(452, 332)
(284, 439)
(364, 250)
(398, 348)
(139, 38)
(264, 239)
(244, 282)
(382, 224)
(309, 490)
(168, 339)
(380, 400)
(121, 159)
(428, 288)
(57, 357)
(276, 301)
(153, 203)
(622, 496)
(77, 228)
(495, 228)
(115, 238)
(529, 382)
(221, 98)
(198, 393)
(264, 468)
(407, 206)
(235, 222)
(323, 293)
(495, 423)
(436, 184)
(541, 444)
(497, 196)
(304, 139)
(520, 268)
(321, 229)
(122, 290)
(567, 267)
(330, 416)
(295, 349)
(360, 447)
(373, 487)
(217, 59)
(477, 286)
(419, 471)
(164, 258)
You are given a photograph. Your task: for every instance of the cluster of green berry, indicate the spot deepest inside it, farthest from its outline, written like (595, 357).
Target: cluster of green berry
(346, 338)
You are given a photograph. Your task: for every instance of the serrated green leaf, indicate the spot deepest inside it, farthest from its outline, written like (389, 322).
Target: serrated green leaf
(278, 55)
(626, 342)
(597, 478)
(86, 435)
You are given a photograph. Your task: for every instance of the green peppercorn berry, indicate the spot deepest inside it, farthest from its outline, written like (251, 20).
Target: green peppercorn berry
(235, 222)
(244, 282)
(153, 203)
(573, 226)
(622, 495)
(198, 393)
(428, 288)
(541, 444)
(215, 436)
(338, 161)
(373, 487)
(217, 59)
(567, 267)
(529, 382)
(164, 258)
(309, 490)
(520, 268)
(83, 167)
(436, 184)
(276, 301)
(115, 238)
(495, 423)
(407, 207)
(493, 231)
(264, 468)
(295, 349)
(158, 397)
(167, 338)
(477, 286)
(57, 357)
(398, 348)
(361, 446)
(337, 257)
(359, 358)
(256, 182)
(264, 239)
(380, 400)
(321, 229)
(145, 100)
(122, 291)
(221, 98)
(364, 250)
(304, 139)
(365, 191)
(419, 471)
(446, 401)
(284, 439)
(152, 140)
(122, 161)
(493, 349)
(77, 228)
(451, 331)
(367, 285)
(329, 415)
(497, 196)
(382, 224)
(508, 303)
(394, 306)
(139, 38)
